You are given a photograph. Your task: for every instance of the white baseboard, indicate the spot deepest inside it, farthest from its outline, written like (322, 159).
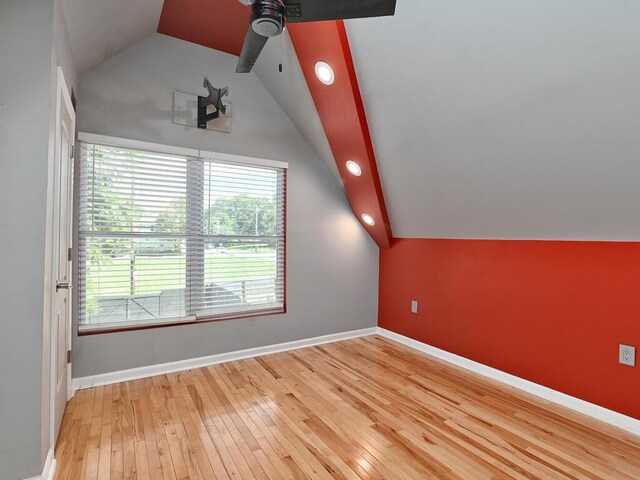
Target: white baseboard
(49, 469)
(611, 417)
(181, 365)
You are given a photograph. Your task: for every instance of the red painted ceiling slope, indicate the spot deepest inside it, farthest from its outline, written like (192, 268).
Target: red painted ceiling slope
(343, 117)
(218, 24)
(222, 25)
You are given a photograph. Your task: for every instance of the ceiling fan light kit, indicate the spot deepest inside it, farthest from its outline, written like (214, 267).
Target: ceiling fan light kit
(268, 19)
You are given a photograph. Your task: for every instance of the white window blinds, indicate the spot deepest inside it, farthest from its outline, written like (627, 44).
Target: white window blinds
(169, 237)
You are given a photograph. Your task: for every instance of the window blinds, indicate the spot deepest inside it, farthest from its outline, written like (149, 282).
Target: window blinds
(165, 237)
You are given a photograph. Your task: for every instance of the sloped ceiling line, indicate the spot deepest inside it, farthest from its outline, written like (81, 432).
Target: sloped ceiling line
(343, 117)
(99, 29)
(339, 106)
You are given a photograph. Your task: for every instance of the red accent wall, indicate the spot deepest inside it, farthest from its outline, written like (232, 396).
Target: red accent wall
(548, 311)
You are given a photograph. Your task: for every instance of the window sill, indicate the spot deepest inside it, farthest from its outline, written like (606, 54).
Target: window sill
(86, 330)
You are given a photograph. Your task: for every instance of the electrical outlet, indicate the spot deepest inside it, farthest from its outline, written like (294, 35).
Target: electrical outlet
(414, 306)
(628, 355)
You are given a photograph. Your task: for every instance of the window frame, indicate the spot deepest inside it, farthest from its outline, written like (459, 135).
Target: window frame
(205, 155)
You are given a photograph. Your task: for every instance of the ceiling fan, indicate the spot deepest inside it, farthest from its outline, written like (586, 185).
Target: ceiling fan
(268, 19)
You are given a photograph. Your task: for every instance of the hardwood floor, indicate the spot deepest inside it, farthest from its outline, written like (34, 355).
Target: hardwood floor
(365, 408)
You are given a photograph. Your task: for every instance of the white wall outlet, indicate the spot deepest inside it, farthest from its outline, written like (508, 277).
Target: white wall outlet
(628, 355)
(414, 306)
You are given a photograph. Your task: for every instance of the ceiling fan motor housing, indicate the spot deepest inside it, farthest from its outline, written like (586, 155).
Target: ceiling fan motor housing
(267, 17)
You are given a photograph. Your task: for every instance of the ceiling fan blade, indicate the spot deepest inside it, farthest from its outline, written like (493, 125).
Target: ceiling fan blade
(316, 10)
(253, 45)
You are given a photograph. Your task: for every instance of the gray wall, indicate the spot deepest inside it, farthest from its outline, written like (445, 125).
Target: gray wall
(332, 264)
(62, 56)
(25, 92)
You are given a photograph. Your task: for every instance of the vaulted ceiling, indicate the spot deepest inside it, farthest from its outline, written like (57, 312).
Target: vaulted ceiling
(493, 119)
(506, 118)
(100, 29)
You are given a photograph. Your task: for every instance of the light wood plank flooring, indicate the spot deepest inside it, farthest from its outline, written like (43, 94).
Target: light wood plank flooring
(365, 408)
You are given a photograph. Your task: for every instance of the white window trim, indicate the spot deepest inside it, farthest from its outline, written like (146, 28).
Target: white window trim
(242, 160)
(172, 150)
(97, 327)
(221, 314)
(241, 311)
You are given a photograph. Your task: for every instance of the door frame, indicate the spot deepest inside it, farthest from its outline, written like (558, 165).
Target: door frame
(63, 100)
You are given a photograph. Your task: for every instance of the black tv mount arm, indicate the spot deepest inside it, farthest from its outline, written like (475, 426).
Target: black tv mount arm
(214, 98)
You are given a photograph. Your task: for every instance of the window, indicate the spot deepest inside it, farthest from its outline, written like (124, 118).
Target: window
(171, 235)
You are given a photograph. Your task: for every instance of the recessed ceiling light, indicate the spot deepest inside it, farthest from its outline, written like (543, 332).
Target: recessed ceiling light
(354, 168)
(325, 73)
(368, 219)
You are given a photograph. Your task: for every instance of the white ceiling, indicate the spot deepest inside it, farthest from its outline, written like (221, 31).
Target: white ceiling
(506, 118)
(100, 29)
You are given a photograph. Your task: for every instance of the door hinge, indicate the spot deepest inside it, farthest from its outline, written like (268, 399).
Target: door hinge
(73, 151)
(68, 356)
(69, 254)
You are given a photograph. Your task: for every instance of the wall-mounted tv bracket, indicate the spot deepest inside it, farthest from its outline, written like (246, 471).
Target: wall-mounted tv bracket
(214, 98)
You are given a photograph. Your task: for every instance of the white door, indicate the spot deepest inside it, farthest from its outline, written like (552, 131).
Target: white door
(62, 231)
